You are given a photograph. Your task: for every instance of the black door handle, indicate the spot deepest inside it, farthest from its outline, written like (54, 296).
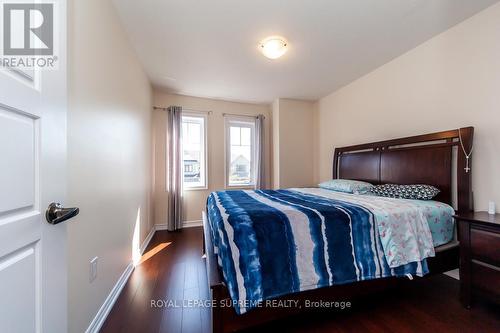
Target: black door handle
(56, 214)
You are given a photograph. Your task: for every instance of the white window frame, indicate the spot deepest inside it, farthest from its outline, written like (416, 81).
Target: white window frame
(245, 121)
(205, 152)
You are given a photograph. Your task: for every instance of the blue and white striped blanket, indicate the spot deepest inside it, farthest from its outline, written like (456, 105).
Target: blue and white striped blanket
(273, 243)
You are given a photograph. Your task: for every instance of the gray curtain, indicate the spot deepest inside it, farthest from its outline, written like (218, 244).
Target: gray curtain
(259, 152)
(174, 167)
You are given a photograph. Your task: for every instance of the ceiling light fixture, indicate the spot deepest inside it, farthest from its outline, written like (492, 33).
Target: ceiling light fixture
(273, 47)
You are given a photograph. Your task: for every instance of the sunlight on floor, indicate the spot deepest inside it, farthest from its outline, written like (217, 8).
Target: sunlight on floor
(148, 255)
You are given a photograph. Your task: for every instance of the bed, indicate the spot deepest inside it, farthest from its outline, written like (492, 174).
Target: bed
(268, 251)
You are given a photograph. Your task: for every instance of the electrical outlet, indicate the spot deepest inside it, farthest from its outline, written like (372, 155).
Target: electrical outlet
(93, 269)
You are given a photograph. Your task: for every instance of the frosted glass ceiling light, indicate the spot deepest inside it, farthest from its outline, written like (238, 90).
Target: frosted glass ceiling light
(273, 47)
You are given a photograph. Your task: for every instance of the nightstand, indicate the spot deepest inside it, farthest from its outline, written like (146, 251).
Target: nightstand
(479, 236)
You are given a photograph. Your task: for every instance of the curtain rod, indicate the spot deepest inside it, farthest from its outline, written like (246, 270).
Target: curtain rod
(240, 115)
(209, 112)
(187, 109)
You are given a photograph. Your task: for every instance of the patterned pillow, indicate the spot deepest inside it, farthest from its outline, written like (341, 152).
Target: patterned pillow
(347, 186)
(420, 192)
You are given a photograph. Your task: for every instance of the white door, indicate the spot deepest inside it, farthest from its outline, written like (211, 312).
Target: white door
(33, 274)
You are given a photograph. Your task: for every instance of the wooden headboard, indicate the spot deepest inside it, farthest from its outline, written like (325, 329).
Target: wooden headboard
(421, 159)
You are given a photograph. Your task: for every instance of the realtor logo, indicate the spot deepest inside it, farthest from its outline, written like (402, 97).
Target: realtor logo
(28, 29)
(29, 33)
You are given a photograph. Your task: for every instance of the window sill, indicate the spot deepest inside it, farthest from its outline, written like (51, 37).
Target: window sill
(204, 188)
(240, 187)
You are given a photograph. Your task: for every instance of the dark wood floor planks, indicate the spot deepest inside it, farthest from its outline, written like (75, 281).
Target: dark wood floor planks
(176, 272)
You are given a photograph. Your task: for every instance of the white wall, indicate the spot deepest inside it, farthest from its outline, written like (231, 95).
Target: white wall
(451, 81)
(275, 144)
(293, 143)
(109, 154)
(195, 200)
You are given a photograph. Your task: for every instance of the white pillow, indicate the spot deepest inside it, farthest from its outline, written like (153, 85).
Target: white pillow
(347, 186)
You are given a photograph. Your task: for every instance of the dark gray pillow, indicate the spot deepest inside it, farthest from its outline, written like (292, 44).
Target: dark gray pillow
(420, 192)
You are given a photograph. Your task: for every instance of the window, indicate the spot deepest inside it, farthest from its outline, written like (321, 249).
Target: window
(194, 151)
(240, 151)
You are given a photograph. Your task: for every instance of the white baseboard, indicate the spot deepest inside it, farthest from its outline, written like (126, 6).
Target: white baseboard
(191, 224)
(145, 244)
(185, 224)
(106, 307)
(161, 227)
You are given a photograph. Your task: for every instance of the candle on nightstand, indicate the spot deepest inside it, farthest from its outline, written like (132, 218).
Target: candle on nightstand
(491, 208)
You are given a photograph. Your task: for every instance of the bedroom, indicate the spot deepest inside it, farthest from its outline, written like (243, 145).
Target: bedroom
(224, 166)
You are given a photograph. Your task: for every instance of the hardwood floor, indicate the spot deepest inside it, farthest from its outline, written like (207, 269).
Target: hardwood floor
(173, 271)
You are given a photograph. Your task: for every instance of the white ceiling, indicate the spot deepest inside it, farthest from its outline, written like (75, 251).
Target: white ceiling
(209, 48)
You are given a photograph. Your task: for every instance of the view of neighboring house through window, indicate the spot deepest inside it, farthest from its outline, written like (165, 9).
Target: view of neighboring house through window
(240, 150)
(194, 150)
